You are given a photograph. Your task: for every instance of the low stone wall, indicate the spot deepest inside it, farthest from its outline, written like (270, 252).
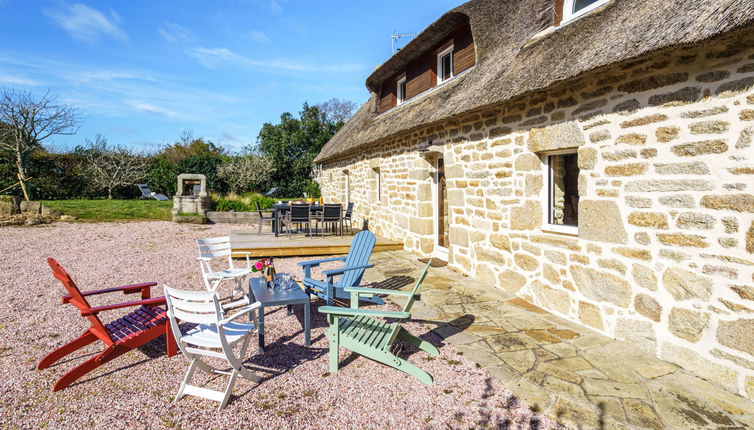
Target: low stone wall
(233, 217)
(664, 254)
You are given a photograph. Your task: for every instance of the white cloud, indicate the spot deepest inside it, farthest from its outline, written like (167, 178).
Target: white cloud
(8, 79)
(174, 33)
(227, 136)
(104, 76)
(150, 107)
(86, 24)
(212, 57)
(258, 36)
(275, 7)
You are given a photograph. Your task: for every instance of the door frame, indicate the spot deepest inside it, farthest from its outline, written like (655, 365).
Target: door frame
(438, 251)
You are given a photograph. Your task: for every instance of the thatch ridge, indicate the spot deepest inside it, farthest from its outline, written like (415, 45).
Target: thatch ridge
(510, 63)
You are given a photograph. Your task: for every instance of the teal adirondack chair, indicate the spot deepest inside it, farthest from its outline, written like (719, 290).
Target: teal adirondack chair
(349, 275)
(359, 331)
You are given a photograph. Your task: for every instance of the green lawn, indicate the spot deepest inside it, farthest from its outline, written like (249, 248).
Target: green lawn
(113, 210)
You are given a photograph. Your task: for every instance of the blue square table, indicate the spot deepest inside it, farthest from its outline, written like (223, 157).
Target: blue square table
(279, 297)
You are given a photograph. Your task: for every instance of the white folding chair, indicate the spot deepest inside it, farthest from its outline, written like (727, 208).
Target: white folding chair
(214, 336)
(219, 247)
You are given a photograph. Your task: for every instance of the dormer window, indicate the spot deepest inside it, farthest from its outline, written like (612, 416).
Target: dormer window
(445, 65)
(401, 91)
(575, 8)
(447, 57)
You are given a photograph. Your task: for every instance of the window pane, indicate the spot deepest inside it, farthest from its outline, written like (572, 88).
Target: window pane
(446, 66)
(581, 4)
(564, 189)
(402, 91)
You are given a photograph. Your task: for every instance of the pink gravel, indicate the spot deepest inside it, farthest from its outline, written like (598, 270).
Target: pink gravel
(137, 389)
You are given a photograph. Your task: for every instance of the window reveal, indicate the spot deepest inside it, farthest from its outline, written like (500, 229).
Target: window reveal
(564, 190)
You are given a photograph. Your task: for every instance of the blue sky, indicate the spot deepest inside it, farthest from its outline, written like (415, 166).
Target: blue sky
(141, 71)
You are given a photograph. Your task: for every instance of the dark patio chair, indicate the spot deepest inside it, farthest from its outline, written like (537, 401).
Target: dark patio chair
(332, 214)
(299, 214)
(347, 217)
(264, 215)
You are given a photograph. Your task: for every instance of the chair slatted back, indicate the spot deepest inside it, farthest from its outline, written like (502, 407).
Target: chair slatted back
(412, 299)
(358, 255)
(78, 300)
(349, 210)
(214, 247)
(197, 307)
(300, 213)
(331, 212)
(259, 210)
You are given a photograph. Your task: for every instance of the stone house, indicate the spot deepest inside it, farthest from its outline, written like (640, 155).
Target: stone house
(593, 157)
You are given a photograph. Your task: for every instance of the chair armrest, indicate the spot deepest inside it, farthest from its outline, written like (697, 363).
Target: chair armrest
(316, 263)
(335, 310)
(245, 310)
(127, 289)
(204, 258)
(98, 309)
(366, 290)
(340, 271)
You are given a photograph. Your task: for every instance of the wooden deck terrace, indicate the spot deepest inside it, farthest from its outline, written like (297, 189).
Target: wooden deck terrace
(299, 245)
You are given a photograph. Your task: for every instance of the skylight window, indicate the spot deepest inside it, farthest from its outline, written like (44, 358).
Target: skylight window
(575, 8)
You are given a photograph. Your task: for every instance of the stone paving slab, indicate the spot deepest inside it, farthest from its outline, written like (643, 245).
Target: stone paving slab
(575, 375)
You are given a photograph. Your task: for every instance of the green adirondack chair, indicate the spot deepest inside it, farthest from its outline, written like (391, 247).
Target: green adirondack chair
(359, 331)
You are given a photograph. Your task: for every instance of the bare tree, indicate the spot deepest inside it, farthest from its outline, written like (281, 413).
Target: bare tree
(250, 172)
(28, 121)
(112, 166)
(337, 110)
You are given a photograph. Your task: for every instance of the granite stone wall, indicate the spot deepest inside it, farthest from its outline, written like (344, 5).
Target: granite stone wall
(664, 254)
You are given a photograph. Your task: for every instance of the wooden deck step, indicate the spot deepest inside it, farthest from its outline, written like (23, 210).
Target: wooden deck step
(267, 245)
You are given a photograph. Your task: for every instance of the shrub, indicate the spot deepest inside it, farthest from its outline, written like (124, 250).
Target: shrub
(227, 205)
(312, 189)
(243, 203)
(162, 176)
(264, 201)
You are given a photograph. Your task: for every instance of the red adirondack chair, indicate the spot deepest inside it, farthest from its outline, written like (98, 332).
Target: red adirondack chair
(120, 336)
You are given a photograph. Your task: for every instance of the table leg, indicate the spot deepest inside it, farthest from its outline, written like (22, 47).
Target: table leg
(276, 222)
(261, 328)
(307, 323)
(290, 309)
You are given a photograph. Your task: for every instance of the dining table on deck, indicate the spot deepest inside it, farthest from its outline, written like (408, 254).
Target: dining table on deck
(279, 209)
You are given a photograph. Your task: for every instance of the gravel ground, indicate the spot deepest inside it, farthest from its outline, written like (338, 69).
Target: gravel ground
(137, 388)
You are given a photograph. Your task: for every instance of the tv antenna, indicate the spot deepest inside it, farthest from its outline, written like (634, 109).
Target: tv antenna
(395, 36)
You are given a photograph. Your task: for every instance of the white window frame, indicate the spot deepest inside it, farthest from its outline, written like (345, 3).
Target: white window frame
(347, 194)
(445, 52)
(378, 196)
(546, 196)
(400, 95)
(569, 15)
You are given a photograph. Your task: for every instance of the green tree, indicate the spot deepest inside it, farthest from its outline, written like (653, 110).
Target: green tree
(162, 176)
(292, 145)
(26, 122)
(190, 146)
(207, 166)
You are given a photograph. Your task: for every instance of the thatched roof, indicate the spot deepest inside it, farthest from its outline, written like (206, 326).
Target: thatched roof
(509, 63)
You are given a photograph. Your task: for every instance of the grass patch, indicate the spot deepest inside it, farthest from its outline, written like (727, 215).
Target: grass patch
(113, 210)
